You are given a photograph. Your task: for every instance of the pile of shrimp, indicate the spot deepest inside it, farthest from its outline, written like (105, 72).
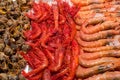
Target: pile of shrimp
(98, 34)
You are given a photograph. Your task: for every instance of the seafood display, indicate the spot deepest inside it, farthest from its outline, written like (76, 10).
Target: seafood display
(59, 40)
(98, 35)
(12, 23)
(53, 53)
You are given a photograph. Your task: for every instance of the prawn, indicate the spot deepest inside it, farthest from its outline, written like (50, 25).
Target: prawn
(57, 63)
(34, 33)
(95, 55)
(56, 17)
(98, 43)
(72, 26)
(85, 14)
(99, 27)
(91, 63)
(74, 64)
(117, 2)
(102, 48)
(46, 75)
(36, 77)
(106, 76)
(95, 20)
(87, 2)
(93, 6)
(44, 64)
(60, 74)
(99, 35)
(82, 72)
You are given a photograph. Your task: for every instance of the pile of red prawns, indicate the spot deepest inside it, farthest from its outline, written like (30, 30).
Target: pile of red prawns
(54, 51)
(99, 40)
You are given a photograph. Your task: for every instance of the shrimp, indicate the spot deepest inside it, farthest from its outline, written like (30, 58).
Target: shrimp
(60, 74)
(46, 75)
(99, 35)
(98, 43)
(82, 16)
(87, 2)
(115, 2)
(43, 65)
(88, 72)
(99, 27)
(113, 14)
(95, 55)
(114, 8)
(56, 13)
(106, 76)
(102, 48)
(95, 20)
(85, 14)
(96, 1)
(75, 61)
(91, 63)
(93, 6)
(57, 63)
(79, 21)
(72, 26)
(36, 77)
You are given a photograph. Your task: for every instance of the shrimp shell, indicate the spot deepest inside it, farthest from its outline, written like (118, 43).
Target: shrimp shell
(106, 76)
(88, 2)
(88, 72)
(98, 43)
(93, 6)
(99, 27)
(99, 35)
(91, 63)
(85, 14)
(102, 48)
(95, 20)
(95, 55)
(116, 2)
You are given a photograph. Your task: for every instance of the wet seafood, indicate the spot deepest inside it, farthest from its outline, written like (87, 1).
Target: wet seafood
(52, 32)
(58, 59)
(99, 27)
(91, 63)
(99, 35)
(98, 43)
(87, 72)
(93, 6)
(103, 48)
(87, 2)
(83, 15)
(106, 76)
(46, 75)
(97, 38)
(95, 55)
